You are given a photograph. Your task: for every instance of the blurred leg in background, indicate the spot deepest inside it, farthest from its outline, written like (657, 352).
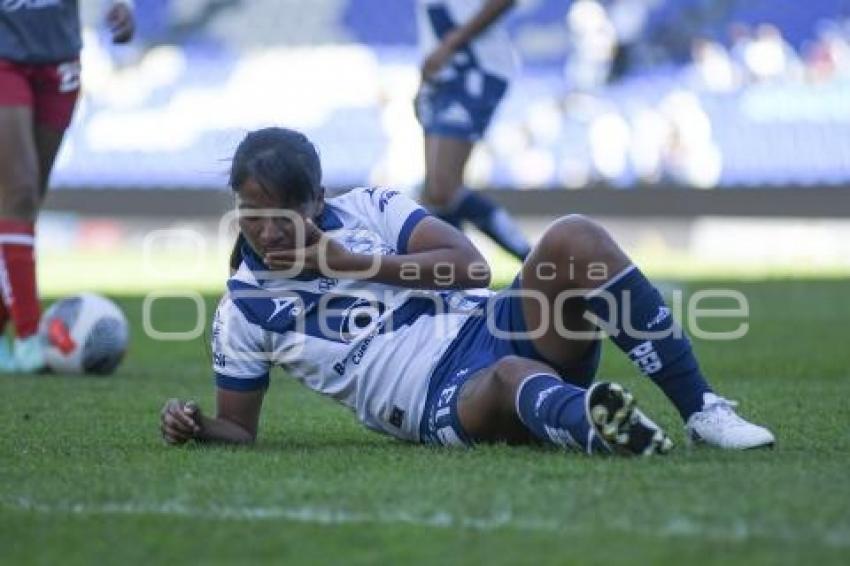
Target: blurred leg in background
(36, 104)
(445, 194)
(465, 75)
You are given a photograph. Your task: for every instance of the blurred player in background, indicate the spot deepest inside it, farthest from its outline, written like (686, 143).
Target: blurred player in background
(40, 43)
(468, 64)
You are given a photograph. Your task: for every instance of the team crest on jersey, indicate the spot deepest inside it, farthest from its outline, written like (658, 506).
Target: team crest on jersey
(361, 317)
(365, 242)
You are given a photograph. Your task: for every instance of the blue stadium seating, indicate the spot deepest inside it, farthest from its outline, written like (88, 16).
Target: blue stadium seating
(772, 134)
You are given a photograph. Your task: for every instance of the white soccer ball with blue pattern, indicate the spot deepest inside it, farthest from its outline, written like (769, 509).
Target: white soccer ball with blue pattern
(85, 333)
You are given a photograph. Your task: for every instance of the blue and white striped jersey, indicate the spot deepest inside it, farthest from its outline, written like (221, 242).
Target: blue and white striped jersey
(490, 52)
(370, 346)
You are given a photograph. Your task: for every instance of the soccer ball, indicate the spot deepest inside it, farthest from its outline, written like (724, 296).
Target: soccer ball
(85, 333)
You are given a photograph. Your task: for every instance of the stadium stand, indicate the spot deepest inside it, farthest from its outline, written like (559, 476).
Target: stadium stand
(622, 93)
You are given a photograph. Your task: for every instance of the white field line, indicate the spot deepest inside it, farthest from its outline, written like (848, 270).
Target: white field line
(675, 527)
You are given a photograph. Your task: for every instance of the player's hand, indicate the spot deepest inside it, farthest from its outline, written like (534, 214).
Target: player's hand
(121, 22)
(438, 58)
(180, 421)
(435, 61)
(322, 254)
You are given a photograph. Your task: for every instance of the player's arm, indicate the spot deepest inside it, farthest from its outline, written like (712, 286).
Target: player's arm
(236, 421)
(121, 20)
(490, 11)
(438, 256)
(434, 256)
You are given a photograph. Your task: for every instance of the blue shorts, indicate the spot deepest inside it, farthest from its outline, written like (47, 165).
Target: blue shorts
(462, 107)
(476, 348)
(460, 103)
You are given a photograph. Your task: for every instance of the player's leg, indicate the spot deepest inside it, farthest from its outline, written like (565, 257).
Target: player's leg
(55, 96)
(445, 161)
(517, 400)
(15, 113)
(448, 145)
(19, 196)
(47, 142)
(445, 194)
(36, 109)
(577, 258)
(578, 267)
(54, 103)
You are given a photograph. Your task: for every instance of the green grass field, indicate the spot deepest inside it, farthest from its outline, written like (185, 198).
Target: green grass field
(84, 476)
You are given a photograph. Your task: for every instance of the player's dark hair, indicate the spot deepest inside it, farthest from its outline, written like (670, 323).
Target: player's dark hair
(284, 162)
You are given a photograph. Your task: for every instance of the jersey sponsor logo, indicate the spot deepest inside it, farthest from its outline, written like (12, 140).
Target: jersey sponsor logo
(360, 351)
(15, 5)
(646, 358)
(219, 359)
(356, 356)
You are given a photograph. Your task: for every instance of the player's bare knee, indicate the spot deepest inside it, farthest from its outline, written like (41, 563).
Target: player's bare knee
(580, 233)
(510, 371)
(494, 392)
(576, 241)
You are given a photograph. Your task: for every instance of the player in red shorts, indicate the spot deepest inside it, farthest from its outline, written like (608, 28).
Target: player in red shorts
(40, 43)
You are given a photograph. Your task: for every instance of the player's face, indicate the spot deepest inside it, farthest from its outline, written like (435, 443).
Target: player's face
(268, 223)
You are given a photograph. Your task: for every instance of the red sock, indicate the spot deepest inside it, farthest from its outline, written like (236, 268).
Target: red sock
(17, 275)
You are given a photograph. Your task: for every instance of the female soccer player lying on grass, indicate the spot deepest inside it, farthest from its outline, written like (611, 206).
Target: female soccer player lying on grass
(408, 350)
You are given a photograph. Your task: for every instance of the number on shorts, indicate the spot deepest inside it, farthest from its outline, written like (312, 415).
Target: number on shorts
(69, 76)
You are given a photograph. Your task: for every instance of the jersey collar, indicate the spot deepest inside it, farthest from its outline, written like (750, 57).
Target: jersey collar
(329, 219)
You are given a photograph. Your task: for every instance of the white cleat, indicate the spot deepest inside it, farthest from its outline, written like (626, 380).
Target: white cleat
(29, 354)
(7, 358)
(717, 424)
